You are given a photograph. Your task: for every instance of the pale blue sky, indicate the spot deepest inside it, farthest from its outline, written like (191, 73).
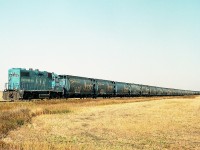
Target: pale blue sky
(155, 42)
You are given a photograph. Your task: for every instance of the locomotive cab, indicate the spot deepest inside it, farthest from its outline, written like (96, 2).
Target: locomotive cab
(12, 88)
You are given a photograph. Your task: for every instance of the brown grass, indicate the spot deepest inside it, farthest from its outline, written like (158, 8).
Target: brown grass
(173, 123)
(1, 94)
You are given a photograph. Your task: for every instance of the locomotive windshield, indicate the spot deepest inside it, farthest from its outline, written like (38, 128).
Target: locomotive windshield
(25, 74)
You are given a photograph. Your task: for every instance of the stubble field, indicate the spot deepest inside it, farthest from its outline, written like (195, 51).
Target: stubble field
(128, 123)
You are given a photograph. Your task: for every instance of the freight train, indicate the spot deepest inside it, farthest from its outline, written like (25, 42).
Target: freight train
(34, 84)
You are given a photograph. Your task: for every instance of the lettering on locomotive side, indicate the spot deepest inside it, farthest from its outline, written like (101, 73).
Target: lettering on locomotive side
(13, 75)
(28, 80)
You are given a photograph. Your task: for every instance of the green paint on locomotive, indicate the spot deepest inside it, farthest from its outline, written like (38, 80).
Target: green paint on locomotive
(22, 79)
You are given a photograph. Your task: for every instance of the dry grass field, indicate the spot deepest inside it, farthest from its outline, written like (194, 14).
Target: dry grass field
(129, 123)
(1, 94)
